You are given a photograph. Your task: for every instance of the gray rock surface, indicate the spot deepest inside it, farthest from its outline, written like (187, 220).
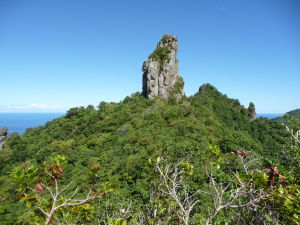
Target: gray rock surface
(3, 135)
(252, 111)
(161, 76)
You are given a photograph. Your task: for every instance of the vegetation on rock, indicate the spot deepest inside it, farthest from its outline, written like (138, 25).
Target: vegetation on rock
(178, 86)
(160, 54)
(120, 147)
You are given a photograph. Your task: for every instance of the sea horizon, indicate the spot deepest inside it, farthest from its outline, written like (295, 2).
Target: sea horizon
(20, 121)
(269, 115)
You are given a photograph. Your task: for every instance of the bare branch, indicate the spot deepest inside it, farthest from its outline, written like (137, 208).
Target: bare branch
(240, 191)
(56, 192)
(295, 134)
(174, 187)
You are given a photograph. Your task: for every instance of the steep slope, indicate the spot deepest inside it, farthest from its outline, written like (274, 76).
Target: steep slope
(294, 113)
(121, 137)
(161, 76)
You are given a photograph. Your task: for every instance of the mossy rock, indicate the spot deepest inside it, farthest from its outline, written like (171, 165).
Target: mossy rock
(166, 38)
(178, 86)
(161, 54)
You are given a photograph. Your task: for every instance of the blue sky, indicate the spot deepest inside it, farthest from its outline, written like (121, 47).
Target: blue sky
(55, 54)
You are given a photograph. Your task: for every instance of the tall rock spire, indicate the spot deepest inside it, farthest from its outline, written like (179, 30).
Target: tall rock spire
(252, 111)
(161, 76)
(3, 134)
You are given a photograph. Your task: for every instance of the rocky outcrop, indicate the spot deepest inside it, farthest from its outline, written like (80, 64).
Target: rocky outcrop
(252, 111)
(161, 76)
(3, 135)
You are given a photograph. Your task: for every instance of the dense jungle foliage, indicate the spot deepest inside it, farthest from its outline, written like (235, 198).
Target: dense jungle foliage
(121, 152)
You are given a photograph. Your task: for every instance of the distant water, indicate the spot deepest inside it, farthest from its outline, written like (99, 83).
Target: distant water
(269, 115)
(19, 122)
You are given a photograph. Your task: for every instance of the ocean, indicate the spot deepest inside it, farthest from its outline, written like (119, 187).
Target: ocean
(269, 115)
(19, 122)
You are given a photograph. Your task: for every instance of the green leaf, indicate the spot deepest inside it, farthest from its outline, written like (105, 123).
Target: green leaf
(158, 159)
(118, 221)
(28, 204)
(288, 203)
(23, 199)
(110, 221)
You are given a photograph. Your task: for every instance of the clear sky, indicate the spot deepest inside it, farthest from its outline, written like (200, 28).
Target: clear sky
(55, 54)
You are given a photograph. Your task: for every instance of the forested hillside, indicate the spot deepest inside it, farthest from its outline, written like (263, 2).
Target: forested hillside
(294, 113)
(118, 149)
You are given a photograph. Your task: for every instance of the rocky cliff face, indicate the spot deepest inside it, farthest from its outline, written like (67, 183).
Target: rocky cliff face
(252, 111)
(161, 76)
(3, 134)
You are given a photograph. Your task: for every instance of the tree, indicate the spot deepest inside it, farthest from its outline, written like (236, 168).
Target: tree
(233, 193)
(43, 189)
(174, 186)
